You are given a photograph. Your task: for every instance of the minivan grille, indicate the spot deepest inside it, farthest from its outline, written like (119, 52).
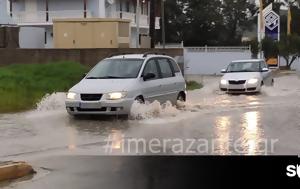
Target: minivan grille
(237, 82)
(91, 97)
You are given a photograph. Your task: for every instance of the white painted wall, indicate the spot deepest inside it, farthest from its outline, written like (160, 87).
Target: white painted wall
(295, 65)
(49, 36)
(32, 37)
(30, 6)
(4, 16)
(102, 11)
(93, 7)
(59, 5)
(209, 63)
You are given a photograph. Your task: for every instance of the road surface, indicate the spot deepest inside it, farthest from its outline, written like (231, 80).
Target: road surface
(210, 123)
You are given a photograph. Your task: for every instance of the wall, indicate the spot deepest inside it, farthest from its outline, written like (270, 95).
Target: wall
(4, 18)
(295, 65)
(93, 7)
(209, 63)
(59, 5)
(32, 37)
(49, 35)
(88, 57)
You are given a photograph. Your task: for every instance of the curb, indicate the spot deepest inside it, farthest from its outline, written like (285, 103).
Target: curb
(14, 170)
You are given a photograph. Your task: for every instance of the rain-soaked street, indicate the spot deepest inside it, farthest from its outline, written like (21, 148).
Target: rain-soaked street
(264, 124)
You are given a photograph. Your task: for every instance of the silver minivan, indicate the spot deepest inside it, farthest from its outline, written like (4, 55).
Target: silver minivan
(113, 85)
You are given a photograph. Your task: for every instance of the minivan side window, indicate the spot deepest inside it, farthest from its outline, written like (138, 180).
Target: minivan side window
(174, 65)
(166, 70)
(263, 65)
(151, 67)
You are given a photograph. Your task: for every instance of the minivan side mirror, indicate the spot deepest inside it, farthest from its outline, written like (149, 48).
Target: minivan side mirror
(149, 76)
(265, 70)
(223, 71)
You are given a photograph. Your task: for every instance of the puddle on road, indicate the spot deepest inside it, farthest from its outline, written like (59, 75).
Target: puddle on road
(206, 99)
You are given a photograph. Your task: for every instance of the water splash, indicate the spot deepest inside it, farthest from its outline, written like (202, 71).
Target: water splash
(55, 101)
(153, 110)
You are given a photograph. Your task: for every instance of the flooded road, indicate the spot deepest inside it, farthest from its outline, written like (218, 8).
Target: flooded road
(210, 123)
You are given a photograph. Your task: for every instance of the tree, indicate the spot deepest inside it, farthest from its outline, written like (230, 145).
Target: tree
(238, 17)
(208, 22)
(269, 47)
(204, 22)
(175, 20)
(289, 49)
(254, 44)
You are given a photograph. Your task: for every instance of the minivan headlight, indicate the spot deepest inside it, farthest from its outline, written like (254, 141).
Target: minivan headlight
(252, 81)
(116, 95)
(71, 95)
(224, 82)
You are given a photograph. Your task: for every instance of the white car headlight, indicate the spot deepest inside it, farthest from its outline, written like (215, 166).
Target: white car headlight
(252, 81)
(71, 96)
(116, 95)
(224, 82)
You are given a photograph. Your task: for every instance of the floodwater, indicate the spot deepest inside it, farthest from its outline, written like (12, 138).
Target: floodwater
(210, 123)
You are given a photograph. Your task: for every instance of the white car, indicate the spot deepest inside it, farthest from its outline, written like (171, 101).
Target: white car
(113, 85)
(246, 76)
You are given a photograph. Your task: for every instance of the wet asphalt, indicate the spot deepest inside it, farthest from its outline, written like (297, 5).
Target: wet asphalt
(66, 150)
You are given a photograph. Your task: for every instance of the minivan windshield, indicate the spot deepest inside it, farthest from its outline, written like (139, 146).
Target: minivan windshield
(244, 67)
(116, 69)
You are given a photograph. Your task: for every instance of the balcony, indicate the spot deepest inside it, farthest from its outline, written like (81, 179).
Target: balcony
(46, 17)
(144, 19)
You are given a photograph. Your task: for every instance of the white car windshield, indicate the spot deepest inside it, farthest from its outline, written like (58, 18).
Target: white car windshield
(116, 69)
(244, 67)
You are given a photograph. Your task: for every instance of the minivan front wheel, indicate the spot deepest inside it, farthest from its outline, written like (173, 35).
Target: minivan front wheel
(140, 100)
(181, 97)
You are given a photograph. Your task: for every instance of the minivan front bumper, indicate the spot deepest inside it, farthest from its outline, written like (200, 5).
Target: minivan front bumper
(102, 107)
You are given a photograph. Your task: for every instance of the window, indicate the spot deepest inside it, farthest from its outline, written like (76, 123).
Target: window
(116, 69)
(165, 68)
(263, 65)
(151, 67)
(127, 5)
(175, 66)
(244, 67)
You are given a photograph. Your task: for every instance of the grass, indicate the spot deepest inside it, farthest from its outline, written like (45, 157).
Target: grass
(193, 85)
(23, 85)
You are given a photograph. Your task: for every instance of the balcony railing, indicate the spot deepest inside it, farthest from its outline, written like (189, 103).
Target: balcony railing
(47, 16)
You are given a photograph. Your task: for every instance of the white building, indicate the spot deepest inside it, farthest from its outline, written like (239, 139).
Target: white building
(35, 16)
(4, 17)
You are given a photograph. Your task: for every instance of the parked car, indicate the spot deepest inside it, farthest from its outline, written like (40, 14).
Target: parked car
(113, 85)
(246, 76)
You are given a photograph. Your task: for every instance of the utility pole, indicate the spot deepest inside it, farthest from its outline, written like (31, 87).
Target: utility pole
(289, 21)
(261, 26)
(152, 22)
(137, 16)
(163, 30)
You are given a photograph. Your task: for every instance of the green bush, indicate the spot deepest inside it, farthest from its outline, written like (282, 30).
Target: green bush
(23, 85)
(193, 85)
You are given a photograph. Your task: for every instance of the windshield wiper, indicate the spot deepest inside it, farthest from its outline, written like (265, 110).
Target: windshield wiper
(94, 78)
(107, 77)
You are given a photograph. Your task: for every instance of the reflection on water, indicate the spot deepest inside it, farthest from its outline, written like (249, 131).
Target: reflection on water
(71, 135)
(117, 139)
(252, 135)
(223, 133)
